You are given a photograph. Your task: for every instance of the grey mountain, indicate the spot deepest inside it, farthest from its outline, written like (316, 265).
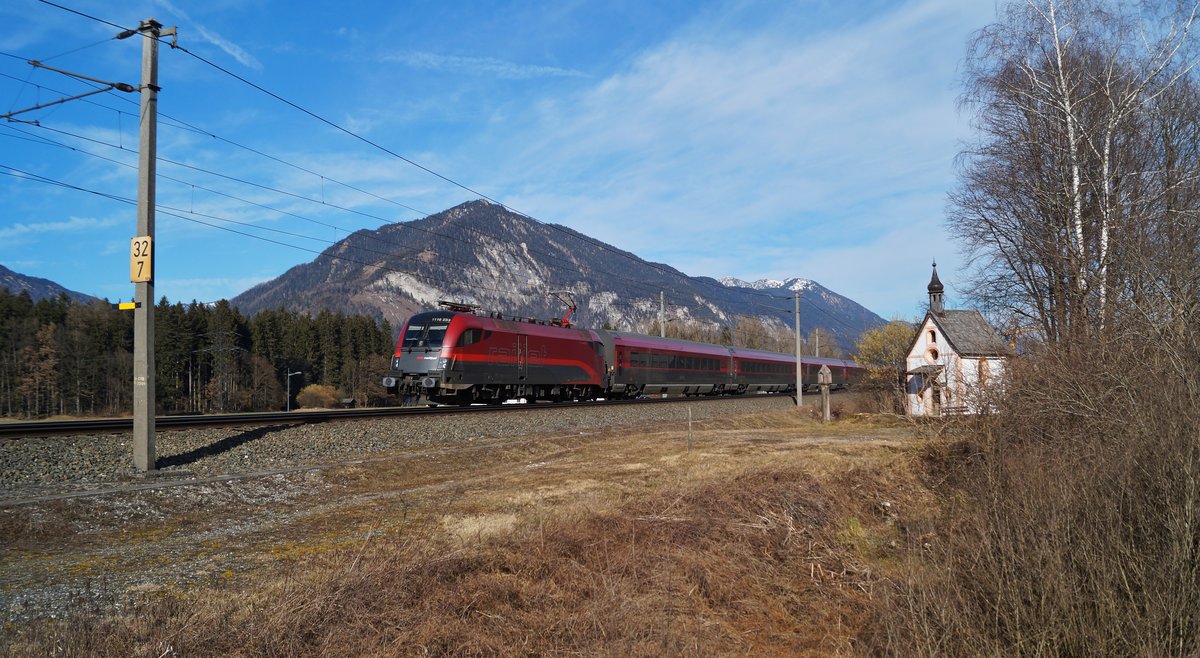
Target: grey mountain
(484, 254)
(38, 288)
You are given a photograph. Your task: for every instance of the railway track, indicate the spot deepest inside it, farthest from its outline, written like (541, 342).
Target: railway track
(121, 425)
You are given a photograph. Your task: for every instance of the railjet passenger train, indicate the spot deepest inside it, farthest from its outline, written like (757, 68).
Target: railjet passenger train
(458, 356)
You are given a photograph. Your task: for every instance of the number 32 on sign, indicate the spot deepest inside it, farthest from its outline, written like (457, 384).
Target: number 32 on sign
(141, 259)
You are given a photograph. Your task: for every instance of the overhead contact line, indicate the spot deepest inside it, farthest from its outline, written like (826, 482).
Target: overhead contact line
(447, 179)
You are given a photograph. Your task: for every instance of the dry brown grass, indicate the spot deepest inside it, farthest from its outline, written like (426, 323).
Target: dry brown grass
(771, 536)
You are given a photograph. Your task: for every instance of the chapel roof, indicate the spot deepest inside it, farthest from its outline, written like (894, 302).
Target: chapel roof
(970, 334)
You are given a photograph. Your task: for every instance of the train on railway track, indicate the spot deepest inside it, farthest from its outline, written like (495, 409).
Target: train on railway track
(458, 355)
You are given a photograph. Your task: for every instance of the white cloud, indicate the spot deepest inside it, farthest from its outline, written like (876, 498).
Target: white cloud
(72, 225)
(232, 49)
(721, 144)
(487, 66)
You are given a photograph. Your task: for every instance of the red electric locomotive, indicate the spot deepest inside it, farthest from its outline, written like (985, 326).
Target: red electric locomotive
(457, 357)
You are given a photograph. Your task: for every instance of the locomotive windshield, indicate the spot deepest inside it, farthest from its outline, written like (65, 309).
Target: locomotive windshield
(425, 332)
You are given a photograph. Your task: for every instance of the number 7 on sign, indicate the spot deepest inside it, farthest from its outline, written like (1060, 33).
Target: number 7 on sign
(141, 259)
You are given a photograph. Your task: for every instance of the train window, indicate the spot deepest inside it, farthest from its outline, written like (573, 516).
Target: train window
(469, 337)
(426, 334)
(412, 335)
(435, 334)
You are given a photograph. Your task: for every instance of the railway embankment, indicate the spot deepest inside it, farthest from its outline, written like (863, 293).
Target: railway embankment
(40, 466)
(652, 530)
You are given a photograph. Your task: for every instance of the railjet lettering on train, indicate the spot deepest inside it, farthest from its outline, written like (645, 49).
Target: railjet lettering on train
(465, 357)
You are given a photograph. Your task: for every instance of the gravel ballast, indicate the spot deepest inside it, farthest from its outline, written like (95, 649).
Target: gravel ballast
(84, 532)
(31, 467)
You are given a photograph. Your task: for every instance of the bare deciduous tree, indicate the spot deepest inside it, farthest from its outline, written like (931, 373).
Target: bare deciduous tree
(1075, 168)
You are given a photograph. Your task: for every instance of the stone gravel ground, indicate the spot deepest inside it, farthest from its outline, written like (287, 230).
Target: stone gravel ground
(39, 466)
(181, 525)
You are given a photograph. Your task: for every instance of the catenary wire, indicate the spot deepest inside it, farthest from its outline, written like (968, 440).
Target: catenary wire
(323, 177)
(180, 213)
(601, 245)
(384, 149)
(575, 235)
(173, 212)
(567, 262)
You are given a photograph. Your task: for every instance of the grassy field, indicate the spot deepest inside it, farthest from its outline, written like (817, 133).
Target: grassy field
(761, 535)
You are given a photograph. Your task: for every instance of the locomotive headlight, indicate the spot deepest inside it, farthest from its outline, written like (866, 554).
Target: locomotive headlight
(443, 363)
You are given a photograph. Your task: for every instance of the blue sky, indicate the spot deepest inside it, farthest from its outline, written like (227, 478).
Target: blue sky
(747, 139)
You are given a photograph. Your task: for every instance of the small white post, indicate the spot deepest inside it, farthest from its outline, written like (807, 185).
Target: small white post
(689, 430)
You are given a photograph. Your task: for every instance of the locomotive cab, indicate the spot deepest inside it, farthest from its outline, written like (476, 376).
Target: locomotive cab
(417, 362)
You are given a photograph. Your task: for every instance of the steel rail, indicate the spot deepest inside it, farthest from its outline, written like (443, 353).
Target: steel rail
(29, 429)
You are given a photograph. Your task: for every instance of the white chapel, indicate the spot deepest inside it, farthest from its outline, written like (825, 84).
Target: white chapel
(956, 361)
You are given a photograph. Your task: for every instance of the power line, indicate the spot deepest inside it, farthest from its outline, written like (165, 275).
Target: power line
(75, 50)
(376, 145)
(631, 282)
(447, 179)
(167, 210)
(573, 234)
(88, 16)
(347, 185)
(181, 214)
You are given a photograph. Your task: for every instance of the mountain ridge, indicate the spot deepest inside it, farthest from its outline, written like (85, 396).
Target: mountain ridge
(38, 287)
(482, 253)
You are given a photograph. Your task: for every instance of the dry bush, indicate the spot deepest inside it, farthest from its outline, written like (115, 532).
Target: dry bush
(317, 396)
(1072, 523)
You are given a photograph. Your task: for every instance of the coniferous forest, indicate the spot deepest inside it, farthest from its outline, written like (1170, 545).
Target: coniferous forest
(61, 357)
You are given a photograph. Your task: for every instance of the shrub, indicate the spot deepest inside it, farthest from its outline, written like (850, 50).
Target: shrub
(1074, 528)
(881, 352)
(317, 396)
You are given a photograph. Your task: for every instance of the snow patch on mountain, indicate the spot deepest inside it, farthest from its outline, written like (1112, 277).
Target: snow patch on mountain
(793, 284)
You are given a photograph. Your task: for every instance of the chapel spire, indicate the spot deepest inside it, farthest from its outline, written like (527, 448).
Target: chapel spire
(935, 293)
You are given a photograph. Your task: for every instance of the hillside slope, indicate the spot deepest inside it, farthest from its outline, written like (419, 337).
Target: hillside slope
(484, 254)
